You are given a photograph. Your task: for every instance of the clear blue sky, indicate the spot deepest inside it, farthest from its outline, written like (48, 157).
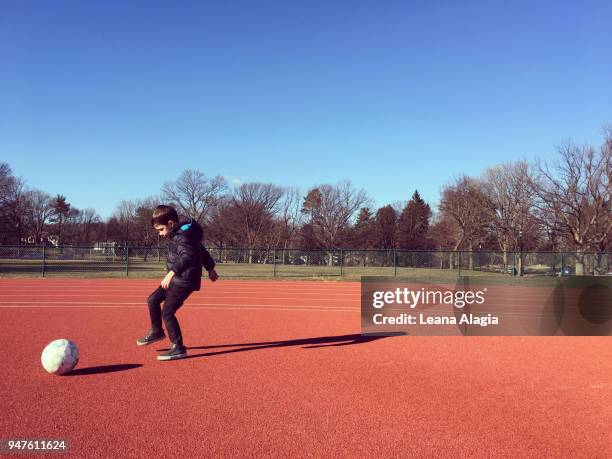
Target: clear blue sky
(106, 101)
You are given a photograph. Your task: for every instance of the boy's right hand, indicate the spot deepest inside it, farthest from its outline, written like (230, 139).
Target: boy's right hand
(165, 283)
(212, 275)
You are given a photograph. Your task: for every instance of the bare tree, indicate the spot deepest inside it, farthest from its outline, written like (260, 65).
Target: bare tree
(577, 193)
(288, 221)
(125, 214)
(134, 218)
(7, 188)
(441, 232)
(471, 210)
(256, 204)
(604, 230)
(514, 227)
(330, 210)
(40, 212)
(87, 220)
(13, 206)
(194, 194)
(222, 230)
(6, 182)
(69, 230)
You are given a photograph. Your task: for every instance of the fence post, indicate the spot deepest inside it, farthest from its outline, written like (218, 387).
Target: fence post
(274, 261)
(562, 265)
(127, 260)
(341, 262)
(394, 262)
(459, 262)
(43, 260)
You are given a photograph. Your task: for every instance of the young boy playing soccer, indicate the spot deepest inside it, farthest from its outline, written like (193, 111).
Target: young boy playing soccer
(186, 256)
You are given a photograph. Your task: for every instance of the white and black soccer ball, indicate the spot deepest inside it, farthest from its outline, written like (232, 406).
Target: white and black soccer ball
(60, 356)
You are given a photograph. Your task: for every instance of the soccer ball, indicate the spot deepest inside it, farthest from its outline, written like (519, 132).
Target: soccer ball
(60, 356)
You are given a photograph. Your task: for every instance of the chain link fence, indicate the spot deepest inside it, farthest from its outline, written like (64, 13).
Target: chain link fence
(122, 261)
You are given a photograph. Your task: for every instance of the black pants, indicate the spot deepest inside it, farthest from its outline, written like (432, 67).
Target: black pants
(173, 299)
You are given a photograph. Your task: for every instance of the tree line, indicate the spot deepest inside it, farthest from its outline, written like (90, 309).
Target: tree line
(562, 205)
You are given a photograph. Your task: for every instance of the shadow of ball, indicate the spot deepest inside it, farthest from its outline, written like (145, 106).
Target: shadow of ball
(595, 304)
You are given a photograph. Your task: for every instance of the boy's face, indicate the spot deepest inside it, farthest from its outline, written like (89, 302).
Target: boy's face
(164, 230)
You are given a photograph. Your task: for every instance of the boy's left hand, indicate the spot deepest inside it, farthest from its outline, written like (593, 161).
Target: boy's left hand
(212, 275)
(165, 283)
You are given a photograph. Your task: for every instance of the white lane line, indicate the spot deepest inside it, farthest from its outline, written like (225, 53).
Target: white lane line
(143, 298)
(245, 308)
(503, 304)
(131, 306)
(135, 281)
(143, 304)
(205, 293)
(205, 289)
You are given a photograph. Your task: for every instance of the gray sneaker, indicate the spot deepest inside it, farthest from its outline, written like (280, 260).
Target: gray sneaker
(151, 337)
(176, 351)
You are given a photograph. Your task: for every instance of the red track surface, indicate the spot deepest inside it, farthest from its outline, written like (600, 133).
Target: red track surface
(278, 369)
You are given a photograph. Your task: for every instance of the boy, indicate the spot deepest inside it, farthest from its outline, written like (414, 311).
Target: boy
(186, 255)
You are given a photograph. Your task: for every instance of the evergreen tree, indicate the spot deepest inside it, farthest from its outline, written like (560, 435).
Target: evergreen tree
(61, 211)
(363, 232)
(413, 224)
(385, 226)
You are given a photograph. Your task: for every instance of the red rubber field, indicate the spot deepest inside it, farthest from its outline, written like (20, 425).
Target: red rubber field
(278, 368)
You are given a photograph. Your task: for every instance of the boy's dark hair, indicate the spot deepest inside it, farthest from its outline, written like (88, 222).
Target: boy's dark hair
(163, 214)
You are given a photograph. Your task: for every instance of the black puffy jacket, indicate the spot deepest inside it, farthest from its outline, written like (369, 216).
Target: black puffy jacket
(187, 255)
